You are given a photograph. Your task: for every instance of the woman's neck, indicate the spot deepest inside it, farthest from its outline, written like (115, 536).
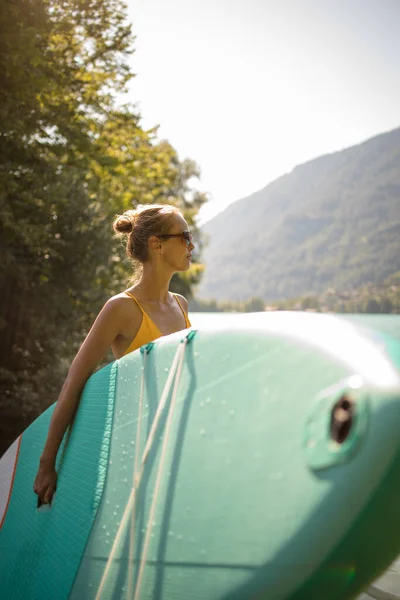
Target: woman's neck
(154, 285)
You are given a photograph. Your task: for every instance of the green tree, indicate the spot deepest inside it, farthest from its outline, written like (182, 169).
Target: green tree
(254, 305)
(70, 158)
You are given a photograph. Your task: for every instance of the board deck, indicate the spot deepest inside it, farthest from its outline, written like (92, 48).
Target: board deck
(242, 493)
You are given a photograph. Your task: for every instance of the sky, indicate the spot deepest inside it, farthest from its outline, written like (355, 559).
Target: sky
(251, 88)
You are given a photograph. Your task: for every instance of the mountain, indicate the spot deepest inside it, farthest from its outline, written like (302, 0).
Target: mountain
(331, 222)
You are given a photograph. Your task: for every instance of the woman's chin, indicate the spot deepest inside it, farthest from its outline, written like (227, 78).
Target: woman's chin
(185, 266)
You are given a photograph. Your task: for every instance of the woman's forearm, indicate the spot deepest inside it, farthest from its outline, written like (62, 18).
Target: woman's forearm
(63, 415)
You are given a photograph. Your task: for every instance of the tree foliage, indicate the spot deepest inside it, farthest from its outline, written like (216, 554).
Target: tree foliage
(371, 298)
(71, 157)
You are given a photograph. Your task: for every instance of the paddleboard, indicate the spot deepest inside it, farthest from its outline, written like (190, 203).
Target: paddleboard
(387, 587)
(254, 456)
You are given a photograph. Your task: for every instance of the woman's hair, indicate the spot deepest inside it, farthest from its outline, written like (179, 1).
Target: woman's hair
(140, 224)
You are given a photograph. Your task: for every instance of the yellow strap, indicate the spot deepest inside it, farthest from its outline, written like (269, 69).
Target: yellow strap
(136, 300)
(184, 313)
(176, 298)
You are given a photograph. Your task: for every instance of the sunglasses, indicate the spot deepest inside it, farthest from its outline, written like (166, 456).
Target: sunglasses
(185, 235)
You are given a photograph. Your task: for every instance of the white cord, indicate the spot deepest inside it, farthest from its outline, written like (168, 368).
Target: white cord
(134, 476)
(159, 473)
(138, 475)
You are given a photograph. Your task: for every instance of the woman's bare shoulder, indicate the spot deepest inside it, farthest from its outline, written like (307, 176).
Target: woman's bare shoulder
(121, 299)
(123, 304)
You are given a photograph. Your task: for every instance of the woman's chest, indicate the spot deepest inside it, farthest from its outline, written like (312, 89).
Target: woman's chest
(166, 319)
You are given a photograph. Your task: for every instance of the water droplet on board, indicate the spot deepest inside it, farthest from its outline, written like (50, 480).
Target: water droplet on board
(202, 432)
(208, 400)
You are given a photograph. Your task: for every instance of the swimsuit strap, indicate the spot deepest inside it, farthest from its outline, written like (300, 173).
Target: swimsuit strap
(144, 312)
(137, 302)
(180, 305)
(184, 313)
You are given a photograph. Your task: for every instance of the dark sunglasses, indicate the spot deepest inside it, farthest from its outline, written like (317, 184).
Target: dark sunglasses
(185, 235)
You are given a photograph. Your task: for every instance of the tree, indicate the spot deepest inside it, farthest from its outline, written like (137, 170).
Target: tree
(70, 158)
(254, 305)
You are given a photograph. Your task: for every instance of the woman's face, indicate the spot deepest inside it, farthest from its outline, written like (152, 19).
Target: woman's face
(176, 251)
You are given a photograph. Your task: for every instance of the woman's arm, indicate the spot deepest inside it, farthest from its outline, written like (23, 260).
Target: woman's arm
(106, 328)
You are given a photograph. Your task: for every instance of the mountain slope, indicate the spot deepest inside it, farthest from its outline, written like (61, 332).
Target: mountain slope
(331, 222)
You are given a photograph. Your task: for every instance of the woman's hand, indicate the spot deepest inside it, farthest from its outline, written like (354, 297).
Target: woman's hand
(45, 482)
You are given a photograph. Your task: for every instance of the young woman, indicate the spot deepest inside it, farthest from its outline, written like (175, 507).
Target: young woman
(160, 242)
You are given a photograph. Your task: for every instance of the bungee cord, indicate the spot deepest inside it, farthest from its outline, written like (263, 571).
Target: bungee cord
(134, 477)
(176, 369)
(160, 470)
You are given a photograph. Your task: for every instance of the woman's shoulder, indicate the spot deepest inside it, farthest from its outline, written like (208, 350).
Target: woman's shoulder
(123, 304)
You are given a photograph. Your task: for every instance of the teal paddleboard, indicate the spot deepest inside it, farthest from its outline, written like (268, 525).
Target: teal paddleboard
(256, 456)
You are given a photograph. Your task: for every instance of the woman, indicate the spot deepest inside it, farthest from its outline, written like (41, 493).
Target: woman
(159, 240)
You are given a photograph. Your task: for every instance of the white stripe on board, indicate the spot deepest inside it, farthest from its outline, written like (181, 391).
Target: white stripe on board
(8, 465)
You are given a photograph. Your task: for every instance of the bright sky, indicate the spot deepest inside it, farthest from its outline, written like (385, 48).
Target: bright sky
(251, 88)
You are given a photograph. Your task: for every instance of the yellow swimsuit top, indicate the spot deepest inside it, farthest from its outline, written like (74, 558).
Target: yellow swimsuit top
(148, 330)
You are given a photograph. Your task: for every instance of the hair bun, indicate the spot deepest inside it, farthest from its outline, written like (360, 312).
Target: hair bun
(124, 223)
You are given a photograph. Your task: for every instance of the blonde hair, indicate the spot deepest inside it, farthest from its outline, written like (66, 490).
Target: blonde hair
(140, 224)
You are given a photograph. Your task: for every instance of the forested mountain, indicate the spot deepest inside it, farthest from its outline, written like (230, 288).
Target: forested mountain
(331, 222)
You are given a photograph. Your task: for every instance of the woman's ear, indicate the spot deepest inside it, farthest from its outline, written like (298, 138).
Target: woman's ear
(155, 244)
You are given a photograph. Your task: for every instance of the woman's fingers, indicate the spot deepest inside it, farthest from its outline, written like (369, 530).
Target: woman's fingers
(45, 485)
(48, 496)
